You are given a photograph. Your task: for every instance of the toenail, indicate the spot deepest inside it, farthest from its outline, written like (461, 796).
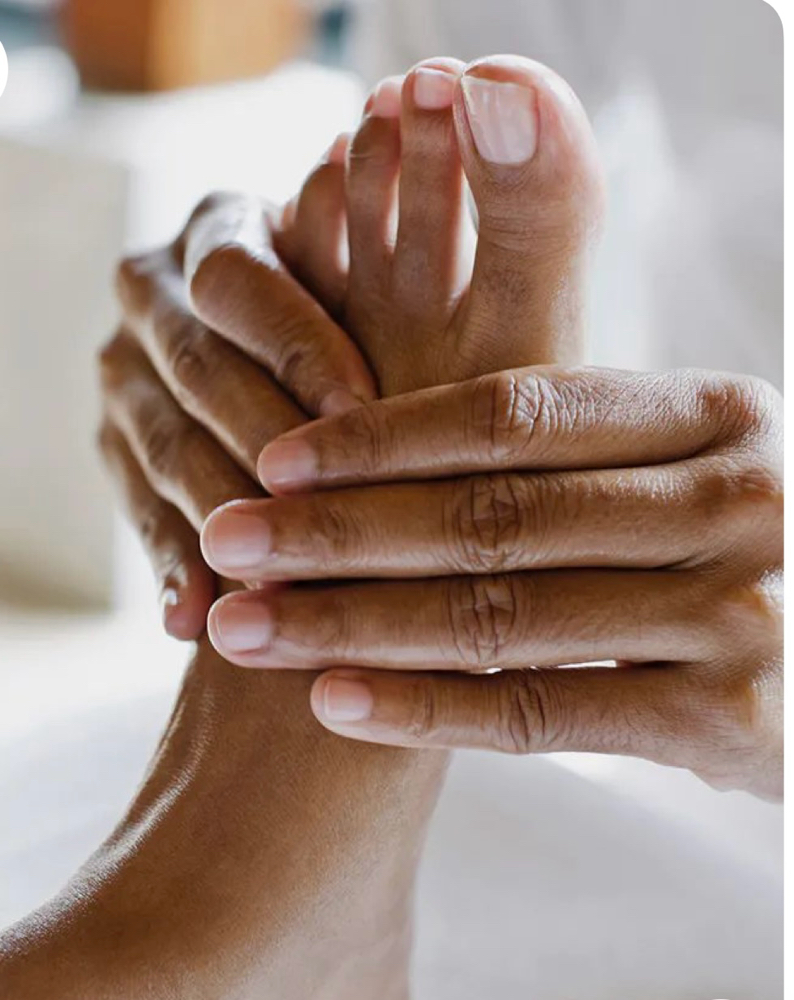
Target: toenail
(503, 118)
(242, 626)
(386, 100)
(434, 90)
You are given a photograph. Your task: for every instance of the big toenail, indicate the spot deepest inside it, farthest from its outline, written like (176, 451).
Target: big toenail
(434, 90)
(503, 118)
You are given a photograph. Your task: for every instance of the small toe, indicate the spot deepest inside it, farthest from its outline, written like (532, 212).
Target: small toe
(433, 253)
(373, 167)
(314, 241)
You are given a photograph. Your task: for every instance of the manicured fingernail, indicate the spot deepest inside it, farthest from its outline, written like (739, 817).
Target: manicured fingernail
(287, 465)
(242, 626)
(503, 118)
(386, 100)
(434, 90)
(346, 700)
(233, 542)
(339, 401)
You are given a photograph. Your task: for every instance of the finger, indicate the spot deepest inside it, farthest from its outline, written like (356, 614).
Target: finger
(245, 408)
(646, 712)
(186, 583)
(531, 418)
(470, 623)
(181, 461)
(500, 522)
(240, 287)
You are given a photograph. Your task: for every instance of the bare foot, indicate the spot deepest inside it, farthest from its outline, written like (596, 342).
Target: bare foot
(411, 297)
(264, 857)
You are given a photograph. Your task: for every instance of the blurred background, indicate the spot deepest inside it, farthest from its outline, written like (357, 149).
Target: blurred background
(118, 116)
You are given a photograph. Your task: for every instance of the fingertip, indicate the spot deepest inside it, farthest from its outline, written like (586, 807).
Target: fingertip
(288, 465)
(183, 619)
(340, 699)
(340, 401)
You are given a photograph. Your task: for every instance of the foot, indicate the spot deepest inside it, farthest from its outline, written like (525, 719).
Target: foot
(264, 856)
(429, 300)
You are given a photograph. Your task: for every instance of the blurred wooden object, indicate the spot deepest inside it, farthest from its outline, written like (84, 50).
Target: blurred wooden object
(143, 45)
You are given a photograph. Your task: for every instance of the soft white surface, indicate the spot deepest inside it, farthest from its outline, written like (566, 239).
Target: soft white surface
(617, 882)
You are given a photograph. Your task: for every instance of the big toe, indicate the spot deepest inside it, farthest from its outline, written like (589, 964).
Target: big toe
(530, 157)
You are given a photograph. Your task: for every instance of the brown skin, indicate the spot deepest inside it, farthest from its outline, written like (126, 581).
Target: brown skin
(263, 855)
(538, 516)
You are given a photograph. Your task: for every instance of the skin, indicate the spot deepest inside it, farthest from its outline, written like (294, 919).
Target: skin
(538, 516)
(258, 837)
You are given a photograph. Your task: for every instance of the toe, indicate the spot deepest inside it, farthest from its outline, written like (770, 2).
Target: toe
(371, 187)
(530, 158)
(314, 231)
(432, 259)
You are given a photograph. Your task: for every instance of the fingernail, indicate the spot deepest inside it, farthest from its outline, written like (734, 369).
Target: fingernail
(503, 118)
(346, 700)
(287, 465)
(434, 90)
(233, 542)
(386, 100)
(339, 401)
(242, 626)
(169, 599)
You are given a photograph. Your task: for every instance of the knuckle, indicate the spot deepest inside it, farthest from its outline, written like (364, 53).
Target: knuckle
(524, 713)
(129, 271)
(365, 441)
(748, 619)
(484, 524)
(189, 357)
(423, 718)
(742, 497)
(514, 413)
(162, 445)
(333, 635)
(742, 406)
(113, 361)
(337, 540)
(482, 616)
(291, 351)
(215, 273)
(741, 719)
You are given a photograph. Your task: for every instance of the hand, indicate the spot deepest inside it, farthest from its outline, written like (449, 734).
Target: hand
(179, 443)
(544, 517)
